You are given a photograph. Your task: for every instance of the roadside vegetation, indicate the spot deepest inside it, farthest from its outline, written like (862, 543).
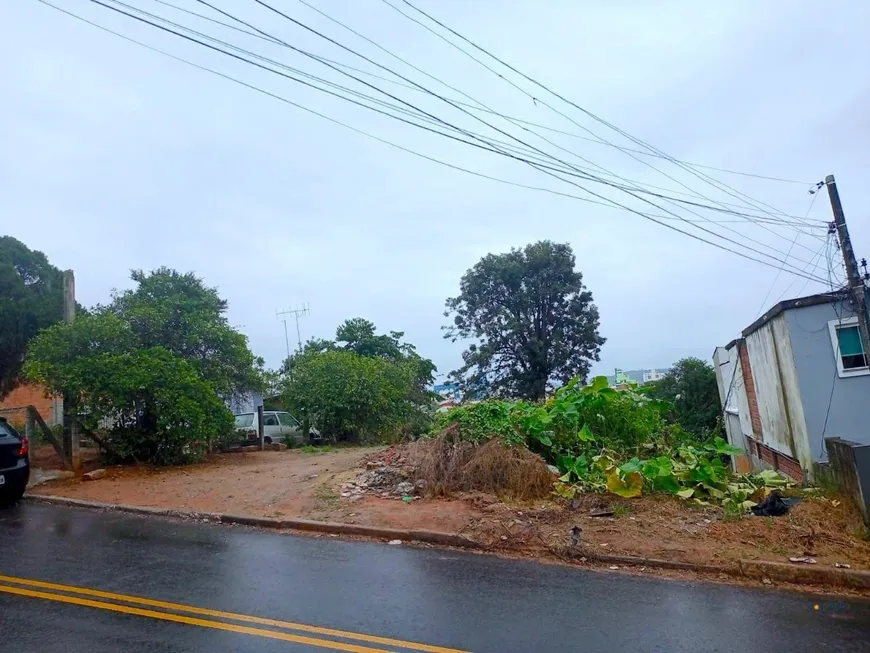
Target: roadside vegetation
(360, 387)
(600, 440)
(149, 369)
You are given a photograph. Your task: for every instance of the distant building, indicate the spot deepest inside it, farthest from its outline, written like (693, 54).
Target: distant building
(627, 377)
(449, 395)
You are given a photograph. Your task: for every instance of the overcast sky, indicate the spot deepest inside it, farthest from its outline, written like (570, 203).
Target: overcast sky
(114, 157)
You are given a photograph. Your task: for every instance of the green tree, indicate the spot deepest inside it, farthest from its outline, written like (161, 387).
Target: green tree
(181, 314)
(349, 396)
(151, 366)
(691, 386)
(31, 298)
(378, 385)
(159, 409)
(533, 318)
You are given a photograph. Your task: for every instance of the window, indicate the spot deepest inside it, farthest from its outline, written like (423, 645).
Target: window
(846, 342)
(270, 420)
(288, 420)
(244, 420)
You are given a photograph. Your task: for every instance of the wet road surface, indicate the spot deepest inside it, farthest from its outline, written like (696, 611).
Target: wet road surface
(77, 580)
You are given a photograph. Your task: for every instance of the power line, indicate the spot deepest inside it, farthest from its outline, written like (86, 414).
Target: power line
(721, 186)
(479, 106)
(297, 105)
(754, 219)
(471, 134)
(778, 272)
(482, 107)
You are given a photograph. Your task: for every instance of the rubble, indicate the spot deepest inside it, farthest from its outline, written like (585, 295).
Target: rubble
(387, 475)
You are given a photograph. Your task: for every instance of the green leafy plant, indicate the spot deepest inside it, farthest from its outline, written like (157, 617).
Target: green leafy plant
(480, 422)
(149, 369)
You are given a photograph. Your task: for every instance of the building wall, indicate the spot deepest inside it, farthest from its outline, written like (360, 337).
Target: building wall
(849, 415)
(244, 402)
(777, 393)
(49, 408)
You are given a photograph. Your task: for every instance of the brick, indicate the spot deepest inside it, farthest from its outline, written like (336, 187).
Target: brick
(749, 385)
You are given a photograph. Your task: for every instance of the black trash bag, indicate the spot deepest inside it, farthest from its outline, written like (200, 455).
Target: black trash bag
(772, 506)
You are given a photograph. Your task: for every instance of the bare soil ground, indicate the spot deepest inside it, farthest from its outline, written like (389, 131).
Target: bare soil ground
(311, 485)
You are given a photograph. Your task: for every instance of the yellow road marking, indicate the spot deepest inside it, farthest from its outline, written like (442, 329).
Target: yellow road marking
(192, 621)
(179, 607)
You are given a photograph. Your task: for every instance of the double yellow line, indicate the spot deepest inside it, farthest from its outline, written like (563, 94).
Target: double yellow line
(126, 604)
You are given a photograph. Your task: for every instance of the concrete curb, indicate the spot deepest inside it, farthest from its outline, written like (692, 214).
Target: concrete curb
(755, 569)
(429, 537)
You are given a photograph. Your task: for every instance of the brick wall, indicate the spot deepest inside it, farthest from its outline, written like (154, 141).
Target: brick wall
(34, 395)
(749, 385)
(777, 460)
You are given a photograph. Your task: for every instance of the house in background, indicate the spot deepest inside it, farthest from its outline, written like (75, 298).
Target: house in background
(797, 375)
(622, 378)
(49, 407)
(244, 402)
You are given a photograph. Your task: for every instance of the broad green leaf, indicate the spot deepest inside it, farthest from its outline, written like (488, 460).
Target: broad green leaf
(545, 440)
(599, 383)
(687, 493)
(722, 447)
(666, 484)
(633, 465)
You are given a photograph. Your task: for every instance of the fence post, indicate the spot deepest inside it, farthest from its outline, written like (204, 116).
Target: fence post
(29, 429)
(70, 410)
(261, 431)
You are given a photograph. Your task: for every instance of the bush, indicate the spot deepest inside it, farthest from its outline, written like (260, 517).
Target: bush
(153, 405)
(350, 396)
(480, 422)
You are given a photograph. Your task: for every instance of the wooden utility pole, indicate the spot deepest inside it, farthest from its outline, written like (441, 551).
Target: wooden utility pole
(70, 412)
(853, 275)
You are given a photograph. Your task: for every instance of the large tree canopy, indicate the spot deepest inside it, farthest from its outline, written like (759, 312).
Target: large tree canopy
(534, 321)
(150, 367)
(31, 298)
(181, 314)
(691, 386)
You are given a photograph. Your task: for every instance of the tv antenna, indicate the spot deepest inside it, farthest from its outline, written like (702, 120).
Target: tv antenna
(296, 313)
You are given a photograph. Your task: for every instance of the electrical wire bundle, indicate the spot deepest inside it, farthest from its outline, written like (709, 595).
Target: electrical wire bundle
(258, 37)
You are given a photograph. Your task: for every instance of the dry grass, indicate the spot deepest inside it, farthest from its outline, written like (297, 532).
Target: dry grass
(450, 465)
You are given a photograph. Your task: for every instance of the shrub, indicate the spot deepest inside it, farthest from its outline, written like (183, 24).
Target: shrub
(480, 422)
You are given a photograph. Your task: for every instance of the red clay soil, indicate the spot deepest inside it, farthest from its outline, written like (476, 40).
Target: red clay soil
(669, 528)
(264, 484)
(306, 485)
(45, 457)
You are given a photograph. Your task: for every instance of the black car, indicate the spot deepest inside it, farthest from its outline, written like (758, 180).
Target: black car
(14, 464)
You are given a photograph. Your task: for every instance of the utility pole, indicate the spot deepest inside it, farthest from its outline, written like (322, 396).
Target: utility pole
(70, 408)
(853, 276)
(297, 313)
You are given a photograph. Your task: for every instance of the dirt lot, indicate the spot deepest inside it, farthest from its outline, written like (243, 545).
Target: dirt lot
(315, 486)
(264, 484)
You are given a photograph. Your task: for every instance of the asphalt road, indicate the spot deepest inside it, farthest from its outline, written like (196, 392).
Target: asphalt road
(77, 580)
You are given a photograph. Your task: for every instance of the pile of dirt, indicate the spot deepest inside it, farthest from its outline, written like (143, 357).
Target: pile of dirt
(448, 465)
